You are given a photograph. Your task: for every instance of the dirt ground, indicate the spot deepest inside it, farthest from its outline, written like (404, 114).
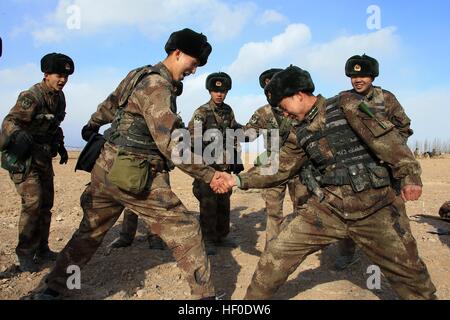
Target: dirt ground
(140, 273)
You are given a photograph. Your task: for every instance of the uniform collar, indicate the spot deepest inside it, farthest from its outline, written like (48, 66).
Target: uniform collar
(214, 106)
(368, 97)
(312, 114)
(47, 89)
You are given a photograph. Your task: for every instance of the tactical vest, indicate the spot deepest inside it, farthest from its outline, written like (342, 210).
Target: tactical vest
(46, 122)
(130, 131)
(340, 156)
(219, 119)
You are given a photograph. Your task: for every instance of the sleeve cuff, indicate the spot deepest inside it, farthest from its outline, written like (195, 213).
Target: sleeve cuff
(411, 181)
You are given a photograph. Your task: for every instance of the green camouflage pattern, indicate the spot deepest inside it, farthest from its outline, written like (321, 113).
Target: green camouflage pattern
(374, 219)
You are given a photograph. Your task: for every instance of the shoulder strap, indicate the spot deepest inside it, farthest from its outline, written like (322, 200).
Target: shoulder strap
(140, 74)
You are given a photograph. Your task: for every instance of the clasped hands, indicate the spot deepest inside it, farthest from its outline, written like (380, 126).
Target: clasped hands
(222, 182)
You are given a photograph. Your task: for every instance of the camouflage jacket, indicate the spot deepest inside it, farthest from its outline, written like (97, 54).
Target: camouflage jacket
(154, 98)
(40, 112)
(264, 120)
(380, 141)
(387, 106)
(222, 118)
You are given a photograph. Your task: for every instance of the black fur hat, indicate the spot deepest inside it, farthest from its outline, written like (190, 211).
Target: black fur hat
(268, 74)
(190, 42)
(219, 82)
(57, 63)
(287, 83)
(363, 66)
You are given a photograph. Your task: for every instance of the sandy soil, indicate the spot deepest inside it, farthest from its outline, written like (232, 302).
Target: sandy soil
(140, 273)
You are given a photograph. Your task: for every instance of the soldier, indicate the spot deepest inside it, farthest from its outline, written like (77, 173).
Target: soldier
(363, 70)
(352, 151)
(130, 219)
(132, 170)
(31, 136)
(214, 208)
(263, 120)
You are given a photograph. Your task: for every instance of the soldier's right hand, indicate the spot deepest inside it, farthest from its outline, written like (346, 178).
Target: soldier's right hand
(21, 144)
(222, 182)
(88, 131)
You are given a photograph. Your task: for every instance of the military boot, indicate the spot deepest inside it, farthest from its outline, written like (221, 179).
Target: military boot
(210, 247)
(344, 262)
(120, 243)
(27, 264)
(156, 243)
(45, 254)
(227, 243)
(45, 295)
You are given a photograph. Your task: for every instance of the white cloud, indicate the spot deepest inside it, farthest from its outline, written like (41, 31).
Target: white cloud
(272, 16)
(256, 56)
(295, 46)
(47, 35)
(217, 19)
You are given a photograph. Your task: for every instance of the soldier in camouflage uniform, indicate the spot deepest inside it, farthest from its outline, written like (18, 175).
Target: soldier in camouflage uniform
(363, 70)
(130, 219)
(264, 120)
(215, 115)
(132, 170)
(31, 136)
(351, 147)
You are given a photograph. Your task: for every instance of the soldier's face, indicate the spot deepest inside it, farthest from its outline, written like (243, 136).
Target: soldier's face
(56, 81)
(294, 107)
(185, 65)
(218, 97)
(362, 85)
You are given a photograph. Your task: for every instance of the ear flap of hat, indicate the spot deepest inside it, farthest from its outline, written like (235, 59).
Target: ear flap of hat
(267, 75)
(363, 66)
(190, 42)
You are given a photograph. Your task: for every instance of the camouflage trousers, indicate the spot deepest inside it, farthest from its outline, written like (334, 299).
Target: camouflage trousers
(274, 198)
(385, 237)
(214, 211)
(129, 227)
(347, 247)
(163, 212)
(37, 192)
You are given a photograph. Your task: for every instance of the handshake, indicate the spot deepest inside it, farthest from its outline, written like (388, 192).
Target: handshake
(222, 182)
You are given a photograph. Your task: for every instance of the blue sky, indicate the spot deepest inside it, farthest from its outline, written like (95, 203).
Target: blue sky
(247, 36)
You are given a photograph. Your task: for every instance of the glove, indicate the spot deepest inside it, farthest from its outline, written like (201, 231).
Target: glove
(88, 131)
(64, 155)
(20, 145)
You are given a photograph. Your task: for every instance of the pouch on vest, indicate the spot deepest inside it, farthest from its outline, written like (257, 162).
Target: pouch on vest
(11, 164)
(379, 176)
(359, 178)
(130, 173)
